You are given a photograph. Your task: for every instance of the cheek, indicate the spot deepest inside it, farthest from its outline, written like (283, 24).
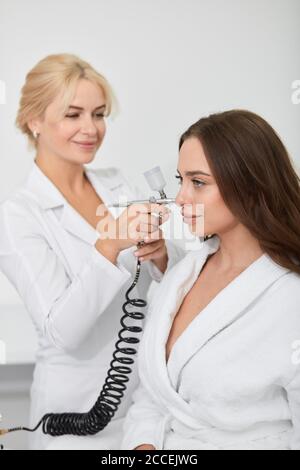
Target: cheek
(216, 211)
(224, 213)
(101, 126)
(62, 131)
(209, 196)
(215, 201)
(67, 129)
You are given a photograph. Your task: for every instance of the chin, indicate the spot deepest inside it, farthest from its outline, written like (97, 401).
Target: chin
(85, 158)
(197, 231)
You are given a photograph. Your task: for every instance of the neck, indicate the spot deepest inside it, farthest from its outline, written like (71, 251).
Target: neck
(67, 176)
(238, 249)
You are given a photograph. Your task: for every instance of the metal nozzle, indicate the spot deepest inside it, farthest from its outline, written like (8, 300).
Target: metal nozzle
(151, 200)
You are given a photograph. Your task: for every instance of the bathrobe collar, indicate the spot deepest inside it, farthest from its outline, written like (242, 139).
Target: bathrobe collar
(226, 308)
(50, 199)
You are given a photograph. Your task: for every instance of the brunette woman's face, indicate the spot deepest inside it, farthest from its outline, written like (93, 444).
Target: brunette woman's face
(78, 134)
(202, 206)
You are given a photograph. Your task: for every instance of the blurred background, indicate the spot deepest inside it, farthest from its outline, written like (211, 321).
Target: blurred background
(170, 62)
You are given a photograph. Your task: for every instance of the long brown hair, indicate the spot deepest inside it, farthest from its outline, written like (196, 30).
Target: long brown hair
(256, 179)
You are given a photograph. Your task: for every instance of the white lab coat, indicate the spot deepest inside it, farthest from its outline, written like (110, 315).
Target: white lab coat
(232, 380)
(73, 294)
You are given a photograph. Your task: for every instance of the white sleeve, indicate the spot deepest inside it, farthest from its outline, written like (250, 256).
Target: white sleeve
(293, 395)
(63, 309)
(141, 425)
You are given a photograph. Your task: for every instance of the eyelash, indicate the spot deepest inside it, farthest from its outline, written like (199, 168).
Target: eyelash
(197, 183)
(98, 116)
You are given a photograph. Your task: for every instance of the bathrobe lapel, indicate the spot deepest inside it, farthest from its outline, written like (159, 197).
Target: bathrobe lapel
(227, 307)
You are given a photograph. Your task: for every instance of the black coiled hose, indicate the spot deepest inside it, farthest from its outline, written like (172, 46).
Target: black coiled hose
(109, 400)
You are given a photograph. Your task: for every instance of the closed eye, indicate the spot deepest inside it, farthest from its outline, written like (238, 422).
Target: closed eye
(74, 116)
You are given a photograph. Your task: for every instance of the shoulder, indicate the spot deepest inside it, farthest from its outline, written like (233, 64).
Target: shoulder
(21, 200)
(14, 204)
(113, 179)
(288, 281)
(107, 174)
(18, 216)
(279, 310)
(286, 290)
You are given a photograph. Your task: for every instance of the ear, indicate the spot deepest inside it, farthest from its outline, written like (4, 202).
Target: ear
(34, 125)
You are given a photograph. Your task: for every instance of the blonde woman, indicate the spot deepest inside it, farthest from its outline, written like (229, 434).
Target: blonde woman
(72, 279)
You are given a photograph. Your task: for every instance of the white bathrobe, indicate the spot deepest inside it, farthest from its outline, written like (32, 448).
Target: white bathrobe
(233, 377)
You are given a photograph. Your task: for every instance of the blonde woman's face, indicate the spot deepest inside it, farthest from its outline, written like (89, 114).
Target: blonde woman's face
(201, 203)
(77, 135)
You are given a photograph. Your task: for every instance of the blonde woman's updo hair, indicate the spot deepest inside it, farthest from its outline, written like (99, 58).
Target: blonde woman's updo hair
(52, 76)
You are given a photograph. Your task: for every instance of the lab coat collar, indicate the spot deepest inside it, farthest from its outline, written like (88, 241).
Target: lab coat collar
(49, 197)
(227, 307)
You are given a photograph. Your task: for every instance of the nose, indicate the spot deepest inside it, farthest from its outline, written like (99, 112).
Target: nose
(183, 197)
(89, 127)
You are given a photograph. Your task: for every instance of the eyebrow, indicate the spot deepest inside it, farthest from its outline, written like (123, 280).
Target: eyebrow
(81, 109)
(194, 173)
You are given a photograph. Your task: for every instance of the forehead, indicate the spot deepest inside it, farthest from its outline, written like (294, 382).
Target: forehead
(192, 156)
(88, 92)
(86, 95)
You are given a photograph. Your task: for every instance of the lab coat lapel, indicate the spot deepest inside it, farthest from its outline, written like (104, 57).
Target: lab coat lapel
(74, 223)
(60, 219)
(51, 199)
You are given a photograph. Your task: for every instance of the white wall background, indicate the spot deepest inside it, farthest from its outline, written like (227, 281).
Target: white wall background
(169, 61)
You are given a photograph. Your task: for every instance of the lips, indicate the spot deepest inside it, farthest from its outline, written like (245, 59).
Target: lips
(190, 219)
(86, 145)
(189, 216)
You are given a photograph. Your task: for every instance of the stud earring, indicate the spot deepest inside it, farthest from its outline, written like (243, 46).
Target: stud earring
(35, 134)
